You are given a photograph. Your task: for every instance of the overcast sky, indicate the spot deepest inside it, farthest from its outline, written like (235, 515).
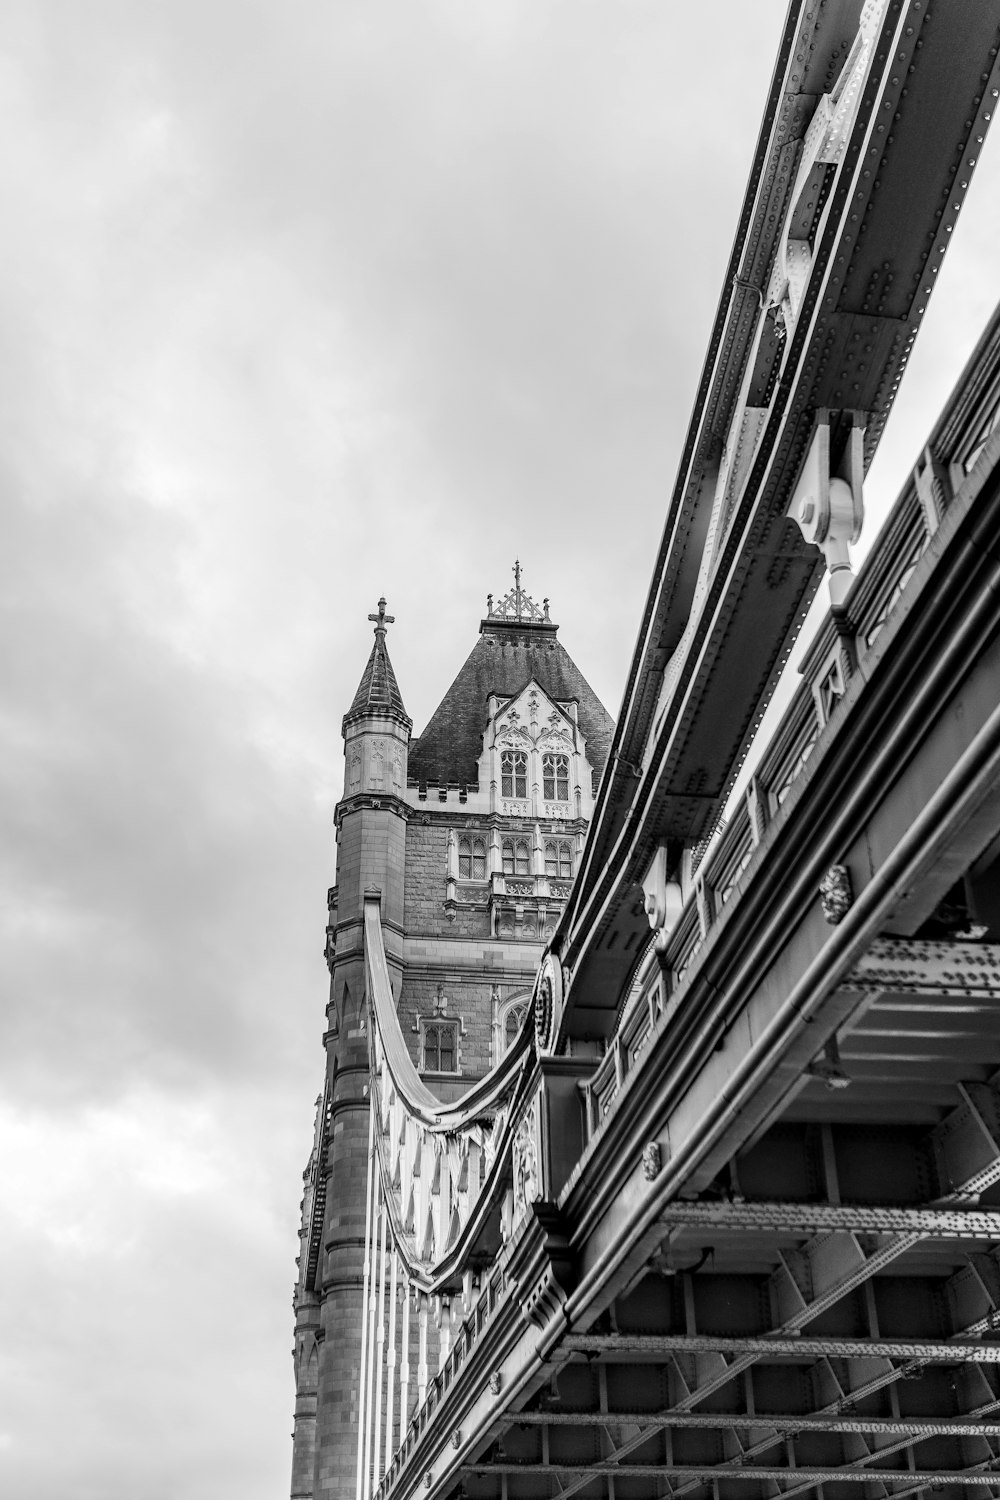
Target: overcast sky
(302, 303)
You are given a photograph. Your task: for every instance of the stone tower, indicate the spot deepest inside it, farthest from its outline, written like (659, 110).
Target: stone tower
(472, 835)
(371, 839)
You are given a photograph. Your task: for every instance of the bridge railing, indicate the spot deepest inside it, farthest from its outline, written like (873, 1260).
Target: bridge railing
(438, 1163)
(465, 1334)
(438, 1205)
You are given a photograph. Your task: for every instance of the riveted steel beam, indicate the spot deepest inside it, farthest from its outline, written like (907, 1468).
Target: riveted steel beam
(754, 1472)
(914, 1427)
(928, 1351)
(824, 1218)
(919, 966)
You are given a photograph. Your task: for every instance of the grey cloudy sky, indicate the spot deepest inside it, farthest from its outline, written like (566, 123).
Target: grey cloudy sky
(302, 303)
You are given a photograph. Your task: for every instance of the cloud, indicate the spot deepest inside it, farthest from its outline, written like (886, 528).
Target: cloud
(302, 304)
(138, 1255)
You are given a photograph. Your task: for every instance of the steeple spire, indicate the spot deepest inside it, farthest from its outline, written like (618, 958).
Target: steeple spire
(378, 691)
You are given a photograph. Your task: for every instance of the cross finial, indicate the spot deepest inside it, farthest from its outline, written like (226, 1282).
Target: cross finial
(516, 570)
(382, 619)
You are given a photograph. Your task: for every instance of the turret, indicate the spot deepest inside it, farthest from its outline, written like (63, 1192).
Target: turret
(371, 819)
(371, 852)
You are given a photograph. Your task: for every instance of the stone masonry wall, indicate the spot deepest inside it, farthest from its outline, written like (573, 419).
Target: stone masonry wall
(426, 883)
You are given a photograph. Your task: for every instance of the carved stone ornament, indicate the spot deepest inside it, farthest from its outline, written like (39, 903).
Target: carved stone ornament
(836, 894)
(541, 1268)
(510, 736)
(524, 1159)
(495, 1383)
(548, 1002)
(543, 1011)
(518, 605)
(651, 1160)
(377, 773)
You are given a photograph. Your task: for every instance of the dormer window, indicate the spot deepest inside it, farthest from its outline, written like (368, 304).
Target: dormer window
(515, 857)
(558, 859)
(514, 773)
(471, 859)
(555, 778)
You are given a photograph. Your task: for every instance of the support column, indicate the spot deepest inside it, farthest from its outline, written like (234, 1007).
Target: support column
(390, 1385)
(362, 1424)
(404, 1367)
(443, 1321)
(372, 1363)
(422, 1371)
(340, 1283)
(379, 1349)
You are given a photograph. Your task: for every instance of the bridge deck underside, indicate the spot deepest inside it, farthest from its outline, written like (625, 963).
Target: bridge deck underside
(824, 1319)
(906, 1056)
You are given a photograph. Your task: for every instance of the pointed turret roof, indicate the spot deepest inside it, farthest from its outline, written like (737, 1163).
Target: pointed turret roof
(517, 642)
(378, 691)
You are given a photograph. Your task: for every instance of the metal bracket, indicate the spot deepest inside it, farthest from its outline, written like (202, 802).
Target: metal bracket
(828, 504)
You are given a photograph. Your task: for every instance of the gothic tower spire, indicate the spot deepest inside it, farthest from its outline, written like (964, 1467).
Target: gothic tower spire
(378, 690)
(371, 855)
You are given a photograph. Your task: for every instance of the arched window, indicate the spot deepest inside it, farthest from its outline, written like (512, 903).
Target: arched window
(509, 1020)
(516, 859)
(514, 773)
(555, 778)
(471, 859)
(559, 859)
(512, 1025)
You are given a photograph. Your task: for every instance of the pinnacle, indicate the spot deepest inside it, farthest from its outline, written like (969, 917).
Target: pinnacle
(378, 690)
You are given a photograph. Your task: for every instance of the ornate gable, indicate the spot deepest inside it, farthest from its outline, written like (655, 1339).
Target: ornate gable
(534, 757)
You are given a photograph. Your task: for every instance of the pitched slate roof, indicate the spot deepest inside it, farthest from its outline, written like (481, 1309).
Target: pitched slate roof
(505, 658)
(378, 690)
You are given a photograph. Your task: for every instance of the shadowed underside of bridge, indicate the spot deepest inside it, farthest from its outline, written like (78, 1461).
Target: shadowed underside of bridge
(726, 1222)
